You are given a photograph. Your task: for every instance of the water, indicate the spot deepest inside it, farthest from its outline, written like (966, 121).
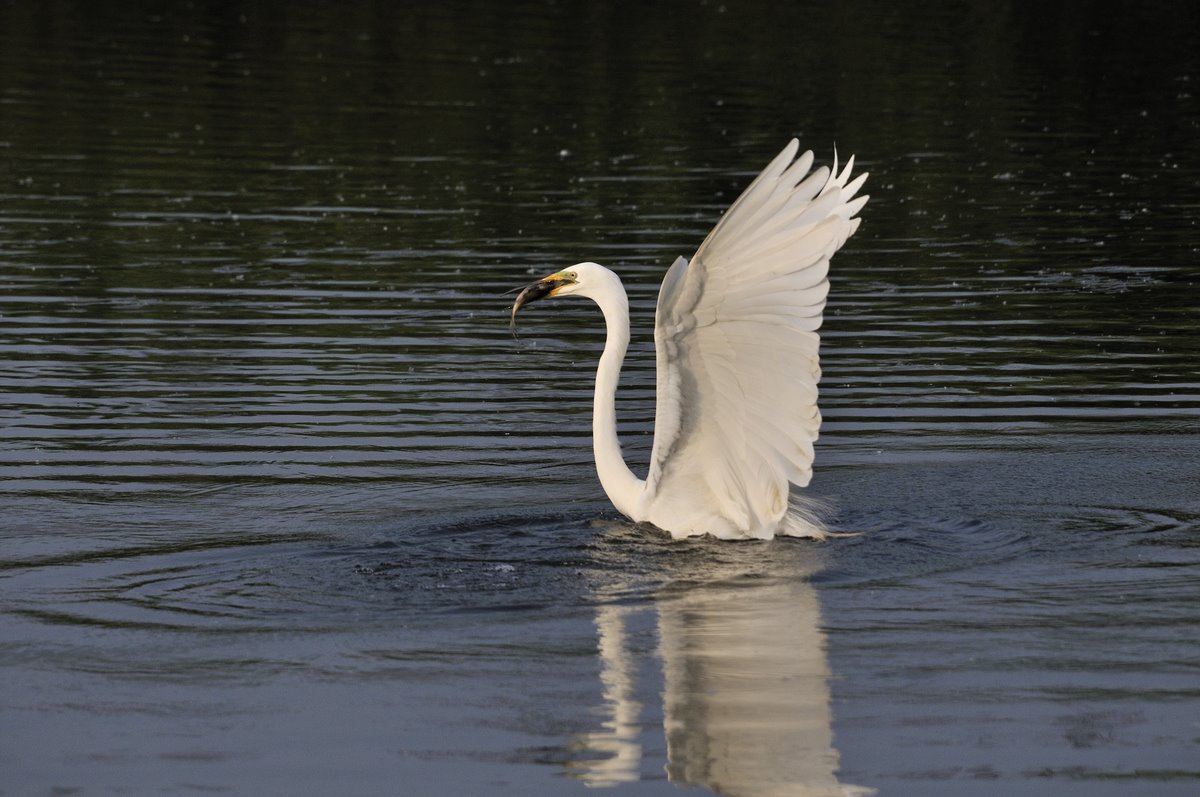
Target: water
(287, 510)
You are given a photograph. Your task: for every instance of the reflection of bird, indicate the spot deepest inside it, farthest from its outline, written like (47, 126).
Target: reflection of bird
(735, 336)
(745, 676)
(746, 701)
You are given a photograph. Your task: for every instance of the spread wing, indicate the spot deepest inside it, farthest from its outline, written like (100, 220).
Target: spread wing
(737, 345)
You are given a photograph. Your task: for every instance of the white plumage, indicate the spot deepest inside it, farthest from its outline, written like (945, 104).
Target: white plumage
(737, 358)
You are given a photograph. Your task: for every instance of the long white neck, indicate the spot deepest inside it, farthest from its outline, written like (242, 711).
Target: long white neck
(622, 487)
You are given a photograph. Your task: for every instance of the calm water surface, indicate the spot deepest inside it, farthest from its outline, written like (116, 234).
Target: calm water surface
(286, 510)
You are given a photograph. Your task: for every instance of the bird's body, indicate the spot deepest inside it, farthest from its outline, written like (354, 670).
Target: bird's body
(737, 359)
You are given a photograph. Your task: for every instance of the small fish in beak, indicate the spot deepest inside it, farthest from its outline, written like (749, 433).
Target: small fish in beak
(532, 292)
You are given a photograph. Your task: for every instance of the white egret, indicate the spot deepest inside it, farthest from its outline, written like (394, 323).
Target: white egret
(735, 336)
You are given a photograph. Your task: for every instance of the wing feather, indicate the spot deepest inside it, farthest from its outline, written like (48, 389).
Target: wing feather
(738, 350)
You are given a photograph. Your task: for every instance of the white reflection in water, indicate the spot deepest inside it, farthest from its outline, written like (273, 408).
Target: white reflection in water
(618, 741)
(746, 690)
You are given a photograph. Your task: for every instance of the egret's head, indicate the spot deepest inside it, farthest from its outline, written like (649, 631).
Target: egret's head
(561, 283)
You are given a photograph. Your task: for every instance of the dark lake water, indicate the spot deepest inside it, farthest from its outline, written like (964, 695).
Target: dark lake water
(284, 508)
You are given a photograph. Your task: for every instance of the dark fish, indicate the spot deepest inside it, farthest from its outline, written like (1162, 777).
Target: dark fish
(531, 293)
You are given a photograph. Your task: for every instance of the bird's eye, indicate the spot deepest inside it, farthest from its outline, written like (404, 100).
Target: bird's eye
(571, 275)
